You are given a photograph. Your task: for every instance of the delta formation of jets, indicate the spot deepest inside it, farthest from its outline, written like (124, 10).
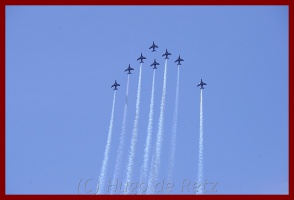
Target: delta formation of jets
(166, 54)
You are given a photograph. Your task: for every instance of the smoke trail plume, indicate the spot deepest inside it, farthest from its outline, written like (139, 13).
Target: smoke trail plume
(200, 156)
(174, 131)
(120, 148)
(100, 185)
(130, 162)
(156, 161)
(144, 168)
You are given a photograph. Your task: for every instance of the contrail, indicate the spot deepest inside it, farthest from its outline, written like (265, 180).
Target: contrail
(130, 162)
(144, 168)
(120, 148)
(100, 185)
(200, 156)
(174, 131)
(156, 161)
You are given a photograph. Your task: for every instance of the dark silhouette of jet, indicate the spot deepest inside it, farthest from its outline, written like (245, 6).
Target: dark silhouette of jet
(201, 84)
(141, 58)
(154, 64)
(166, 54)
(153, 46)
(179, 60)
(129, 69)
(115, 85)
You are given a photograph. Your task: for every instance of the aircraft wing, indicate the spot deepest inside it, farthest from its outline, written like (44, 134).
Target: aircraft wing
(204, 83)
(131, 69)
(198, 84)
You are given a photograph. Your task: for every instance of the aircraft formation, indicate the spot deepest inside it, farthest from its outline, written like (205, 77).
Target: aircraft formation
(154, 64)
(148, 166)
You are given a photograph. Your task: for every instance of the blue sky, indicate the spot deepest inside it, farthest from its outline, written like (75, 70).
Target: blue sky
(62, 60)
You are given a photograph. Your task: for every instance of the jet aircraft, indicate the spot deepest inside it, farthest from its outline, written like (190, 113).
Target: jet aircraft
(179, 60)
(153, 46)
(154, 64)
(141, 58)
(166, 54)
(115, 85)
(129, 69)
(201, 84)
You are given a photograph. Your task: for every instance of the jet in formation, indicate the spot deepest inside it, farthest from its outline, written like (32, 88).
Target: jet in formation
(166, 54)
(153, 46)
(141, 58)
(179, 60)
(129, 69)
(154, 64)
(201, 84)
(115, 85)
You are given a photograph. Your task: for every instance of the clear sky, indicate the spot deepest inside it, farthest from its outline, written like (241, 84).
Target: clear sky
(62, 60)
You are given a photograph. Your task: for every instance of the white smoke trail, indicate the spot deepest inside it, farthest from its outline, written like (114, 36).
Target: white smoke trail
(174, 131)
(134, 134)
(156, 161)
(144, 168)
(200, 156)
(100, 185)
(120, 148)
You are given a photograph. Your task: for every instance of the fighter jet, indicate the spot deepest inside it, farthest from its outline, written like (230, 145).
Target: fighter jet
(141, 58)
(154, 64)
(201, 84)
(115, 85)
(179, 60)
(153, 46)
(129, 69)
(166, 54)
